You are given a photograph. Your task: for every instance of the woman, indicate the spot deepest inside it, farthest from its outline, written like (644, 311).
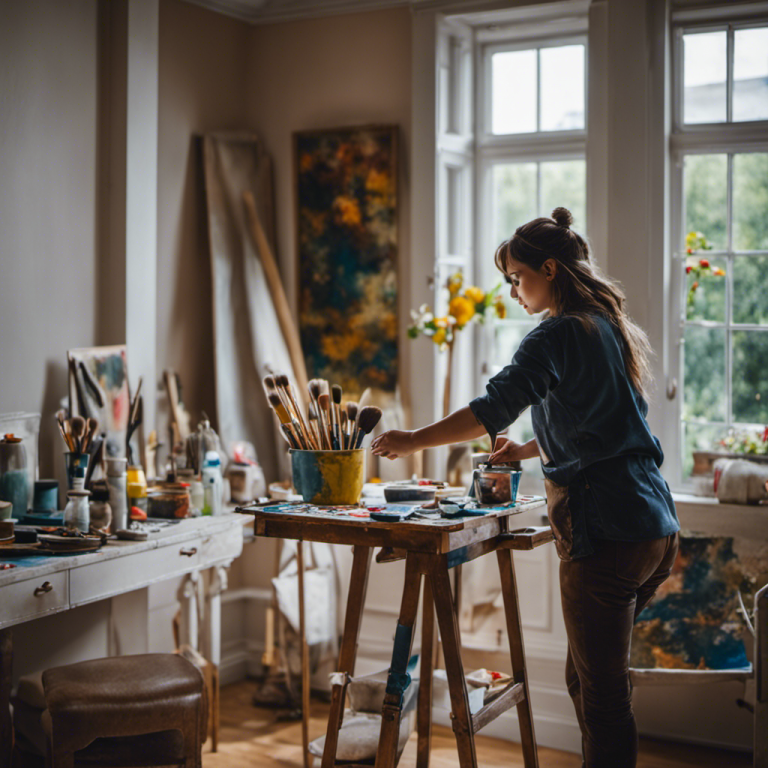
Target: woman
(584, 371)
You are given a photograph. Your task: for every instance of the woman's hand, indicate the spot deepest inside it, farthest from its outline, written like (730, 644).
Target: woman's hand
(507, 451)
(395, 444)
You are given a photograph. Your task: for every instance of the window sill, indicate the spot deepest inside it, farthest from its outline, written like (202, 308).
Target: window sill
(703, 514)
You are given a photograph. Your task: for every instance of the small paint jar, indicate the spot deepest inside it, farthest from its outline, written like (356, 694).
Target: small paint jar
(100, 510)
(46, 496)
(196, 497)
(170, 502)
(77, 512)
(137, 488)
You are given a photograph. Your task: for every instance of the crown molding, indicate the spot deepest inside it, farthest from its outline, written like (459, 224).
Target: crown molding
(271, 12)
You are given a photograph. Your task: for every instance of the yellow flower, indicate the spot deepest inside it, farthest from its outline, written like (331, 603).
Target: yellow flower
(719, 272)
(500, 307)
(462, 309)
(455, 281)
(439, 336)
(473, 293)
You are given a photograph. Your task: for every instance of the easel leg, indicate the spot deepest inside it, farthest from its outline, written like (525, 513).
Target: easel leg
(304, 655)
(396, 681)
(428, 653)
(517, 655)
(358, 583)
(457, 685)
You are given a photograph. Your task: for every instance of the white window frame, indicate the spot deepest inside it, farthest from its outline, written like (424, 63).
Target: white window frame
(704, 138)
(495, 149)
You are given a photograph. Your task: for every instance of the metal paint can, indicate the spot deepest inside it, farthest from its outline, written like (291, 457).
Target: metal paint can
(496, 485)
(329, 478)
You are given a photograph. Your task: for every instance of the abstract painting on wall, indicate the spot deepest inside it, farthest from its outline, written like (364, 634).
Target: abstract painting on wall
(346, 208)
(694, 621)
(105, 368)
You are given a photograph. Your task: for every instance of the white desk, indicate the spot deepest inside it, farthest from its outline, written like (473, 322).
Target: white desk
(39, 586)
(120, 566)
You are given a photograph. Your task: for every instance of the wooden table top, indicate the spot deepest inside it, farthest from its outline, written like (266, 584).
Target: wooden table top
(347, 526)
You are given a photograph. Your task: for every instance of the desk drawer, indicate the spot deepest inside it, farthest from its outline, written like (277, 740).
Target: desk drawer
(123, 574)
(29, 599)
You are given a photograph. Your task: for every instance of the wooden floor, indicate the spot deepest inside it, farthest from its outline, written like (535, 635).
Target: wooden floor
(252, 736)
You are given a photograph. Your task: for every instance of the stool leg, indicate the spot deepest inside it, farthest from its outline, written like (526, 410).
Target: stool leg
(386, 755)
(517, 655)
(358, 584)
(457, 684)
(428, 653)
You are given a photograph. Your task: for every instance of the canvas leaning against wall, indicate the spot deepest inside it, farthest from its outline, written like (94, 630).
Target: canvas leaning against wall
(346, 209)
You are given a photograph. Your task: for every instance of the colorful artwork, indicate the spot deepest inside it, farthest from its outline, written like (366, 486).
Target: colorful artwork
(347, 251)
(693, 622)
(108, 369)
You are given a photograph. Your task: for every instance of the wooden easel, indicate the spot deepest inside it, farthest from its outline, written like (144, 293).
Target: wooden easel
(431, 548)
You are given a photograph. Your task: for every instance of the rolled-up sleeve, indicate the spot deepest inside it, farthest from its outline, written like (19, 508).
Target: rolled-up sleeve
(535, 369)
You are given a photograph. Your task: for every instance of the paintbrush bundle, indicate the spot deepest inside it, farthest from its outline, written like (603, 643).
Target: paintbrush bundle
(327, 426)
(77, 432)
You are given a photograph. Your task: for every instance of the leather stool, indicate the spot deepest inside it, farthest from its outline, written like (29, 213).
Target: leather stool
(148, 707)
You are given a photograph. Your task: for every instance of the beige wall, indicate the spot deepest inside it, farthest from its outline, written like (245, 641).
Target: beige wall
(202, 76)
(48, 103)
(327, 73)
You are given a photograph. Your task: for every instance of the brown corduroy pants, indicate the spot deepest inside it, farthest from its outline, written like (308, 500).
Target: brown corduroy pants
(602, 595)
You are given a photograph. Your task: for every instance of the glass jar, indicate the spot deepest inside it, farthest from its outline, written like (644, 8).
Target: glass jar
(77, 512)
(14, 478)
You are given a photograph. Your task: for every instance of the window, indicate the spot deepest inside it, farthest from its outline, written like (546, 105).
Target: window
(531, 147)
(720, 231)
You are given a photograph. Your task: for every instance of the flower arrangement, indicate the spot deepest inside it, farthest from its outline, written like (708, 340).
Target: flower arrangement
(695, 242)
(464, 307)
(746, 441)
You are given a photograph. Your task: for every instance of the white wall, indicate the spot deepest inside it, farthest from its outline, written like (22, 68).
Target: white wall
(48, 201)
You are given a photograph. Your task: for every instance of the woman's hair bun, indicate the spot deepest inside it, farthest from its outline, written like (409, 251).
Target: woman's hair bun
(563, 217)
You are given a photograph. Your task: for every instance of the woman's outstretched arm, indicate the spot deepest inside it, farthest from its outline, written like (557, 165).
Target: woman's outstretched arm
(458, 427)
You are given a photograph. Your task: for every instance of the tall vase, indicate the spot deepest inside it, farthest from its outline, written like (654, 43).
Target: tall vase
(447, 385)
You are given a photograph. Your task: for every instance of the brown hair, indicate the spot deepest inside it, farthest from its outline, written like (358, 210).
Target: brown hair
(579, 287)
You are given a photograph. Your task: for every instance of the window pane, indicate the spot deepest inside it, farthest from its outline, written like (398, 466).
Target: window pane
(514, 197)
(707, 300)
(750, 74)
(750, 290)
(513, 91)
(704, 354)
(564, 183)
(562, 88)
(750, 201)
(697, 437)
(507, 338)
(706, 182)
(750, 377)
(704, 77)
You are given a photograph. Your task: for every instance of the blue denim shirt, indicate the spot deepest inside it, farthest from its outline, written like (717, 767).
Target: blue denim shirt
(590, 424)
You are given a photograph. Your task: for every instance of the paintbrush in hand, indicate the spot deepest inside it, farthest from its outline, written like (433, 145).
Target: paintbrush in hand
(366, 422)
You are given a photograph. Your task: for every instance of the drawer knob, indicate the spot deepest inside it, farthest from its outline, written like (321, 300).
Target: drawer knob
(47, 587)
(188, 552)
